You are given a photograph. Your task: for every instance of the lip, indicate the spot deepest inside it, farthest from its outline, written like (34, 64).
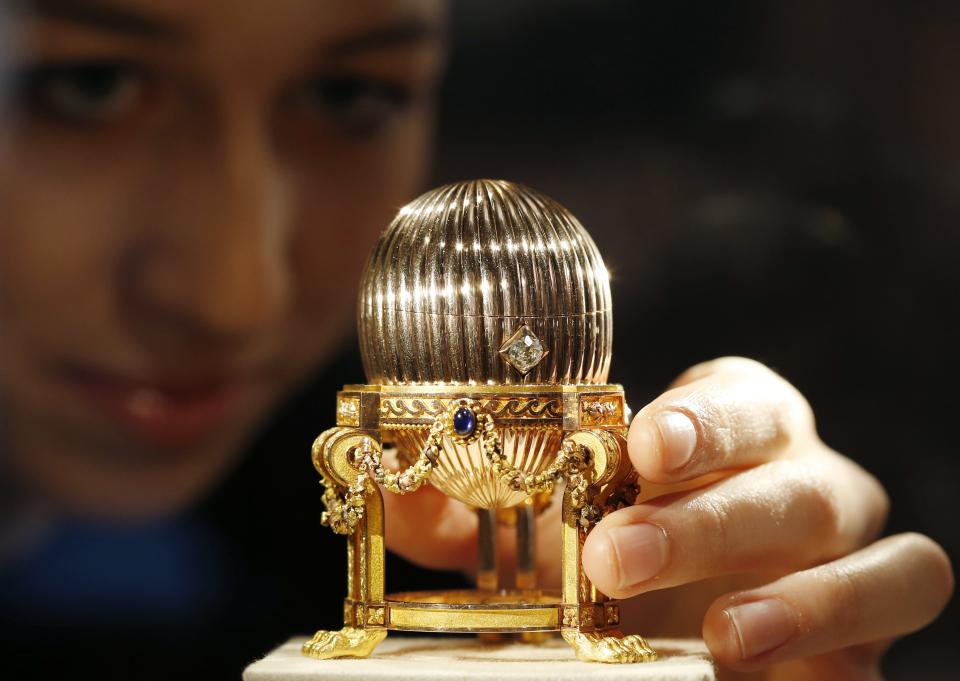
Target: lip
(160, 411)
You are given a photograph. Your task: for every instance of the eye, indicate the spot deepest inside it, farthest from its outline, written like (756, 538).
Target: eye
(356, 103)
(82, 92)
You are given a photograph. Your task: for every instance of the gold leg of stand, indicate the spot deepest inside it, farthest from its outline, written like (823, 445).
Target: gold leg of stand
(527, 559)
(345, 642)
(487, 571)
(364, 612)
(585, 610)
(527, 546)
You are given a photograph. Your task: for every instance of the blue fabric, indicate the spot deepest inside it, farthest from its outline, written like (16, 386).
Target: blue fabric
(98, 574)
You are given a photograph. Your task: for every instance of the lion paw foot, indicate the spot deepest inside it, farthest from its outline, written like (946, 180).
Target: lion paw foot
(609, 646)
(346, 642)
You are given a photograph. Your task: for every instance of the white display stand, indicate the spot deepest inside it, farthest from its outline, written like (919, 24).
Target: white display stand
(449, 658)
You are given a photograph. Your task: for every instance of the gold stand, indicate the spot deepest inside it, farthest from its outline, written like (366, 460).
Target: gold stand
(524, 440)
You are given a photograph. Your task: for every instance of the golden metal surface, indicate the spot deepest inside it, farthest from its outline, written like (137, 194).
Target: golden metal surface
(529, 423)
(509, 407)
(593, 646)
(462, 268)
(462, 472)
(484, 322)
(526, 529)
(475, 611)
(465, 599)
(488, 565)
(346, 642)
(441, 390)
(507, 619)
(348, 411)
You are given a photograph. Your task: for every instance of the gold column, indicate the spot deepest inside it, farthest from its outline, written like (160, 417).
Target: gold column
(364, 610)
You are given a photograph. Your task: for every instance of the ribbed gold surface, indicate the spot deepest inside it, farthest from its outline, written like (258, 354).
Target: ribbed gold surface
(464, 474)
(461, 268)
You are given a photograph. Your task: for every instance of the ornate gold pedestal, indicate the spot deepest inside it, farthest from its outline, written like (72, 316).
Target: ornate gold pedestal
(485, 326)
(493, 447)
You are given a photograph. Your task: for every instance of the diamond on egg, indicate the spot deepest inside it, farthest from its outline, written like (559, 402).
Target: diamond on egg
(523, 350)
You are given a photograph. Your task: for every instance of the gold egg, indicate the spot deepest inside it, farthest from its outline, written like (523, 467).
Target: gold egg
(485, 283)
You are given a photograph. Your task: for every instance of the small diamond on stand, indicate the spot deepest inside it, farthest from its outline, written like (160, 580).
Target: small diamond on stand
(348, 411)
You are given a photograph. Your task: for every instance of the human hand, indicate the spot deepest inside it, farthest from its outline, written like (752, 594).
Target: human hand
(785, 505)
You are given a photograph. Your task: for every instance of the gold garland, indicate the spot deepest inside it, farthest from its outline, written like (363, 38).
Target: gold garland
(572, 464)
(344, 508)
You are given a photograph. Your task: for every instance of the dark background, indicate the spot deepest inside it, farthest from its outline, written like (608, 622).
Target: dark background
(771, 179)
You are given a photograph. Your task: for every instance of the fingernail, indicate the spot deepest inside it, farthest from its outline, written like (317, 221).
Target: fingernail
(679, 438)
(761, 626)
(640, 550)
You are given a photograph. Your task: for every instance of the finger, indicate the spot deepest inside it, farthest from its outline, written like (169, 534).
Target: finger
(431, 529)
(893, 587)
(729, 413)
(729, 364)
(782, 515)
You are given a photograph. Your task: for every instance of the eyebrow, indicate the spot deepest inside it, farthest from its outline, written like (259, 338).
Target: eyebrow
(410, 31)
(100, 16)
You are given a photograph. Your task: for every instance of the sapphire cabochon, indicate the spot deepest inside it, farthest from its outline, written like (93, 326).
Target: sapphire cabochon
(464, 421)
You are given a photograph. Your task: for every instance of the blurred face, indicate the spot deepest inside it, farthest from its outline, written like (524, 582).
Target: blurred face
(188, 191)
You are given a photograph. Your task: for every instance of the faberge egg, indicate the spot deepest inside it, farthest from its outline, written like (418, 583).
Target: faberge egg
(485, 283)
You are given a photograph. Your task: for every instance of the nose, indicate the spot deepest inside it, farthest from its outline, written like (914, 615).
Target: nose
(214, 266)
